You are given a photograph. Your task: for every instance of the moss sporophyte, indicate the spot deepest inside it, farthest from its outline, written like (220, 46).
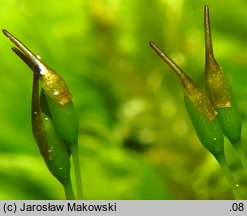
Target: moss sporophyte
(213, 113)
(200, 109)
(220, 93)
(54, 119)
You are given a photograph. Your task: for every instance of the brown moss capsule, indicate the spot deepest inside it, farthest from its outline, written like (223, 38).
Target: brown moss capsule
(52, 82)
(55, 86)
(219, 90)
(57, 94)
(56, 127)
(200, 109)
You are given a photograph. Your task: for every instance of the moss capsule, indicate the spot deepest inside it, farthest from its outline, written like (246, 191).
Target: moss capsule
(54, 85)
(57, 93)
(219, 90)
(51, 147)
(208, 132)
(200, 109)
(66, 124)
(65, 121)
(52, 82)
(58, 121)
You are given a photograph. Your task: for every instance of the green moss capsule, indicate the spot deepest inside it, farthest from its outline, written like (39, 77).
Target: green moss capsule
(51, 147)
(65, 121)
(55, 154)
(58, 115)
(66, 124)
(200, 109)
(57, 93)
(219, 90)
(208, 132)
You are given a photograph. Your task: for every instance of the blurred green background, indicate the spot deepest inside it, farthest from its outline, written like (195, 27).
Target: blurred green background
(136, 140)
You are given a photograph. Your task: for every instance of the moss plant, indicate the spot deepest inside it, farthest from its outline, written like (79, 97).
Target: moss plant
(54, 120)
(213, 113)
(204, 119)
(220, 92)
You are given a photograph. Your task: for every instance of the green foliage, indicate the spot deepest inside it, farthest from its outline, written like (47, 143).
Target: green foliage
(135, 138)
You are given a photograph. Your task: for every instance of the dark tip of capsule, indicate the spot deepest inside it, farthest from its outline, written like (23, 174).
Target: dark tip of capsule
(151, 43)
(6, 33)
(20, 54)
(17, 52)
(10, 36)
(156, 49)
(206, 11)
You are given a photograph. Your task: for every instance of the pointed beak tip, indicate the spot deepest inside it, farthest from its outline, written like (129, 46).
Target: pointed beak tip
(6, 33)
(152, 44)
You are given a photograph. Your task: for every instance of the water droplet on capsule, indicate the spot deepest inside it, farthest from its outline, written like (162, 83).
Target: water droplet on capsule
(55, 92)
(38, 57)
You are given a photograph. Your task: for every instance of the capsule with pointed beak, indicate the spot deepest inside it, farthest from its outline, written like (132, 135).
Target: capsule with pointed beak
(219, 90)
(58, 99)
(57, 93)
(200, 109)
(51, 81)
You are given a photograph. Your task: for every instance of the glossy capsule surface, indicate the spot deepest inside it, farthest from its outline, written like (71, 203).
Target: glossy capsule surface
(52, 82)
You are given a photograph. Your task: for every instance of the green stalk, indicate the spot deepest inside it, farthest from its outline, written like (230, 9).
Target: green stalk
(233, 184)
(66, 123)
(77, 171)
(68, 190)
(241, 153)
